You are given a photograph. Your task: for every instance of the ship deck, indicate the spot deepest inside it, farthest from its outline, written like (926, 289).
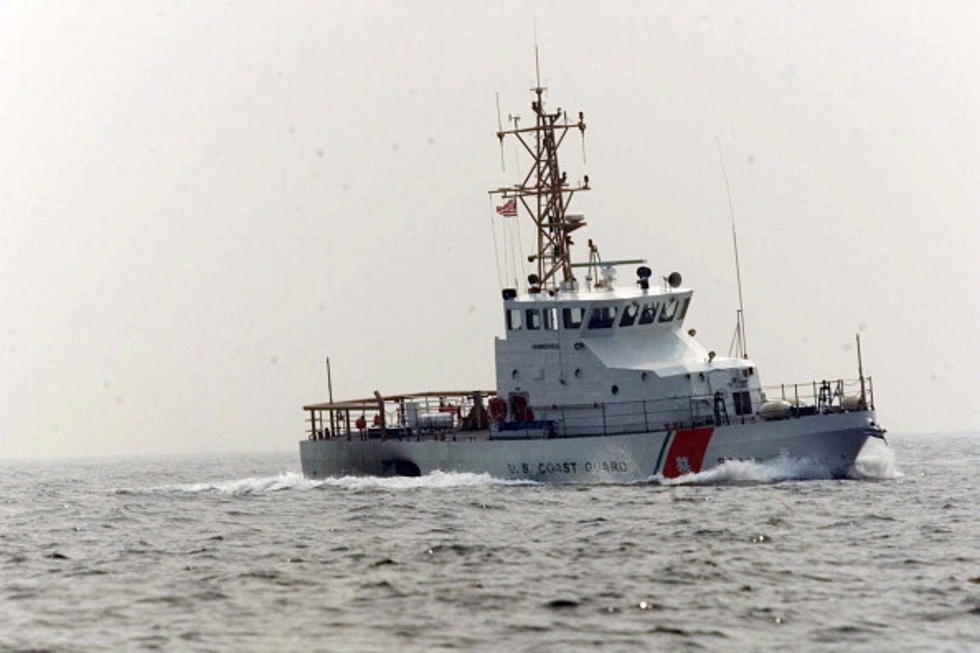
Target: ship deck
(461, 415)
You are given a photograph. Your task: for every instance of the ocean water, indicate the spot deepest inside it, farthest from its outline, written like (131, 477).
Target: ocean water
(239, 552)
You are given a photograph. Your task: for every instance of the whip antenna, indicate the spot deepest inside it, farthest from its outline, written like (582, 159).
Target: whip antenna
(739, 337)
(537, 61)
(500, 134)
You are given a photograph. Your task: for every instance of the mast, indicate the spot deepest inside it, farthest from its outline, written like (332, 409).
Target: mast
(738, 338)
(544, 192)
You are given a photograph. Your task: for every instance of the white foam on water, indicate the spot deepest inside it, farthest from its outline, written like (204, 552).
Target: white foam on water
(244, 486)
(875, 462)
(296, 481)
(774, 470)
(436, 479)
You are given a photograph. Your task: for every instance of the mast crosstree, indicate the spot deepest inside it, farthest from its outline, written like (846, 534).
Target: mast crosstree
(545, 192)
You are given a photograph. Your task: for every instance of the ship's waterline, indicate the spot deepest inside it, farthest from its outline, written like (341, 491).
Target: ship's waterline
(831, 441)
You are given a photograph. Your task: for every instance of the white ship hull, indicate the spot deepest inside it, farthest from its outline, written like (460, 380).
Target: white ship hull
(832, 441)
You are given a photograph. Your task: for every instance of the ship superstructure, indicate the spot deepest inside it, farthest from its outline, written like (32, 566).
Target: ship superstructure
(594, 380)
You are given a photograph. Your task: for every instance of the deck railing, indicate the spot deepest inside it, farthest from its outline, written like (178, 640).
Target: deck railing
(815, 393)
(617, 418)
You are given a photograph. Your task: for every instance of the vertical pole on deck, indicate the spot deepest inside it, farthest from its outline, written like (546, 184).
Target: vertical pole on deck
(381, 414)
(333, 414)
(857, 336)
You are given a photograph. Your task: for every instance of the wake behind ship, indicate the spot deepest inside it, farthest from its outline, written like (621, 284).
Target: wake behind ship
(595, 381)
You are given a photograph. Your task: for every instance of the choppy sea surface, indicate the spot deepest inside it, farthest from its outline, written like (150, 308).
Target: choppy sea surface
(241, 552)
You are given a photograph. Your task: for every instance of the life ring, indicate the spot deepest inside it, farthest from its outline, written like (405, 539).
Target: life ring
(497, 408)
(361, 423)
(519, 409)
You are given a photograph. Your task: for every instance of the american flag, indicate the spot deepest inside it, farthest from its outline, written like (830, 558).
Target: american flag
(508, 209)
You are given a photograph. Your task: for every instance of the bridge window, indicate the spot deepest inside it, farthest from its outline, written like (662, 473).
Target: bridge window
(649, 313)
(669, 311)
(514, 320)
(532, 319)
(629, 315)
(603, 317)
(683, 310)
(572, 317)
(550, 318)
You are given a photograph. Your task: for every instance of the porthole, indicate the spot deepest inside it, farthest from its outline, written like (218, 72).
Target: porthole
(615, 389)
(578, 372)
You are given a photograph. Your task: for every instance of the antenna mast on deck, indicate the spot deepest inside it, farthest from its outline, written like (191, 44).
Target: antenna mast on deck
(544, 191)
(738, 338)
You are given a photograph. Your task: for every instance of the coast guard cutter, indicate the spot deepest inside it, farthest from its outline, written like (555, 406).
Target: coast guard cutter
(595, 381)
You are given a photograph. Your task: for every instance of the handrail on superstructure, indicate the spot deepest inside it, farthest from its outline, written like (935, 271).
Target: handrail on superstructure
(390, 409)
(838, 388)
(464, 411)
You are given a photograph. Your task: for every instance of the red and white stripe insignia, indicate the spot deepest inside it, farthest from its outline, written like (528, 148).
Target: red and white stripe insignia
(687, 452)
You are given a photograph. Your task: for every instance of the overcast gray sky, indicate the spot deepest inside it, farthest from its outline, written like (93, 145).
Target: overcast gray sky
(200, 200)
